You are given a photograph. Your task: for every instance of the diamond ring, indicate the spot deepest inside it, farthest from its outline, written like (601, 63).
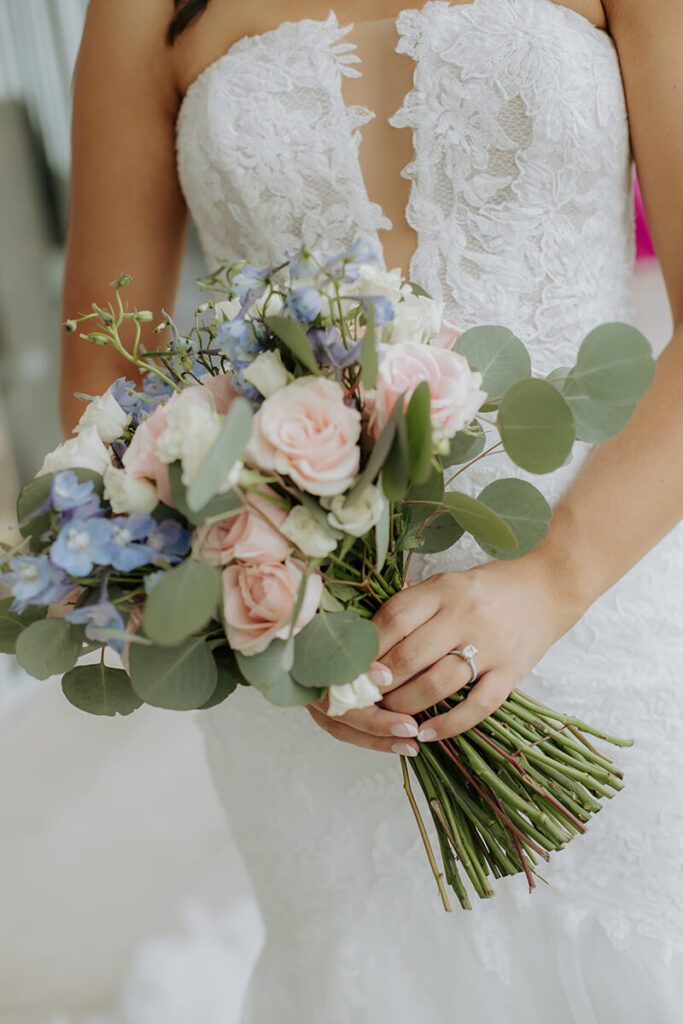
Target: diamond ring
(468, 654)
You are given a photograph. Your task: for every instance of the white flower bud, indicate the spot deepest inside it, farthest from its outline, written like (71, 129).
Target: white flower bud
(128, 494)
(106, 415)
(268, 373)
(83, 452)
(358, 516)
(361, 693)
(309, 535)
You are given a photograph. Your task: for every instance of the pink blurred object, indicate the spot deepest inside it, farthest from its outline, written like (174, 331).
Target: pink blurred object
(644, 247)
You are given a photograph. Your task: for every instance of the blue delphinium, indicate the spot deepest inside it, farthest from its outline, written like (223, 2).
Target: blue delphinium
(383, 309)
(329, 349)
(305, 265)
(250, 282)
(304, 304)
(66, 493)
(238, 339)
(98, 617)
(170, 541)
(81, 544)
(33, 580)
(128, 534)
(125, 394)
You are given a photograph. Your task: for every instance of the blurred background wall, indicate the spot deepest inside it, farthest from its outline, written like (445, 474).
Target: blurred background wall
(122, 899)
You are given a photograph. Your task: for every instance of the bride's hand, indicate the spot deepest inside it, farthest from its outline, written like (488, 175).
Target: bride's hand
(373, 727)
(511, 611)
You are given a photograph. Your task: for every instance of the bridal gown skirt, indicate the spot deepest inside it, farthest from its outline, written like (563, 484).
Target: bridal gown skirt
(354, 923)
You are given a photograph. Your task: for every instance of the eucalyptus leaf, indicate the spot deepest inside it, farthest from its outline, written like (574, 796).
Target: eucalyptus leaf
(419, 428)
(485, 525)
(536, 426)
(292, 335)
(227, 450)
(334, 649)
(12, 624)
(265, 671)
(222, 505)
(440, 533)
(49, 647)
(429, 492)
(182, 603)
(368, 351)
(382, 534)
(523, 508)
(615, 364)
(229, 677)
(179, 678)
(417, 289)
(380, 451)
(498, 354)
(465, 446)
(594, 420)
(100, 690)
(396, 469)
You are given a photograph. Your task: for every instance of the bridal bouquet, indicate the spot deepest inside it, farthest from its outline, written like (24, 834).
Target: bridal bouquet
(238, 517)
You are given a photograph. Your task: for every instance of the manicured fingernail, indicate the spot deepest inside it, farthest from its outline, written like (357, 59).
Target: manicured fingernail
(426, 734)
(381, 677)
(405, 749)
(404, 729)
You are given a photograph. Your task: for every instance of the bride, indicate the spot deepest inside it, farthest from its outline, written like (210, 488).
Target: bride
(486, 150)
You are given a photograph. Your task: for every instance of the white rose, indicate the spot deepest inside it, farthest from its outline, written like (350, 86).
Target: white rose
(227, 310)
(418, 320)
(106, 415)
(192, 429)
(358, 516)
(361, 693)
(128, 494)
(268, 305)
(268, 373)
(86, 451)
(309, 535)
(374, 281)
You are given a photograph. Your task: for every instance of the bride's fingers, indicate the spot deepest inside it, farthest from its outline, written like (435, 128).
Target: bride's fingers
(442, 679)
(482, 700)
(419, 650)
(336, 728)
(404, 612)
(375, 720)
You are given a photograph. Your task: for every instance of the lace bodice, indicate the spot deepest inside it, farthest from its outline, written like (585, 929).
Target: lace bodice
(521, 201)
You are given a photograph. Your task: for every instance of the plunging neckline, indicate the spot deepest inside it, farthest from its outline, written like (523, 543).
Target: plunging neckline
(581, 20)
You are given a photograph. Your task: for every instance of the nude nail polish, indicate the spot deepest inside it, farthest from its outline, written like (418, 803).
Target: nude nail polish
(426, 734)
(381, 677)
(405, 749)
(404, 729)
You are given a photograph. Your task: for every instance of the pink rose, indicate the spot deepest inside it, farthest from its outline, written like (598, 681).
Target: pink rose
(258, 601)
(141, 458)
(455, 389)
(447, 336)
(306, 431)
(247, 536)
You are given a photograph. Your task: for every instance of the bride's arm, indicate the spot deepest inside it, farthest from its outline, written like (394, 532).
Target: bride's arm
(126, 209)
(629, 494)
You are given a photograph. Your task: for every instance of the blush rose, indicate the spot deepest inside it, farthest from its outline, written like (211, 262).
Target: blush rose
(250, 536)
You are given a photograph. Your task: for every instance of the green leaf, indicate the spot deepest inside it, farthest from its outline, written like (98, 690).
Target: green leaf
(221, 505)
(12, 624)
(179, 678)
(49, 647)
(465, 446)
(498, 354)
(368, 352)
(34, 494)
(100, 690)
(182, 603)
(334, 649)
(382, 534)
(440, 533)
(229, 676)
(594, 421)
(525, 511)
(396, 469)
(265, 671)
(229, 447)
(295, 339)
(417, 289)
(615, 364)
(380, 451)
(536, 426)
(429, 492)
(485, 525)
(419, 427)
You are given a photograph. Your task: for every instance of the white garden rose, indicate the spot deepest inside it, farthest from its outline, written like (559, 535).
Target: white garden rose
(227, 310)
(373, 280)
(268, 373)
(192, 429)
(418, 319)
(128, 494)
(106, 415)
(269, 305)
(361, 693)
(308, 533)
(86, 451)
(358, 516)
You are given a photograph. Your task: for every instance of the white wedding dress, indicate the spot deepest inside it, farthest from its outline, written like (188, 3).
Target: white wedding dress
(522, 204)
